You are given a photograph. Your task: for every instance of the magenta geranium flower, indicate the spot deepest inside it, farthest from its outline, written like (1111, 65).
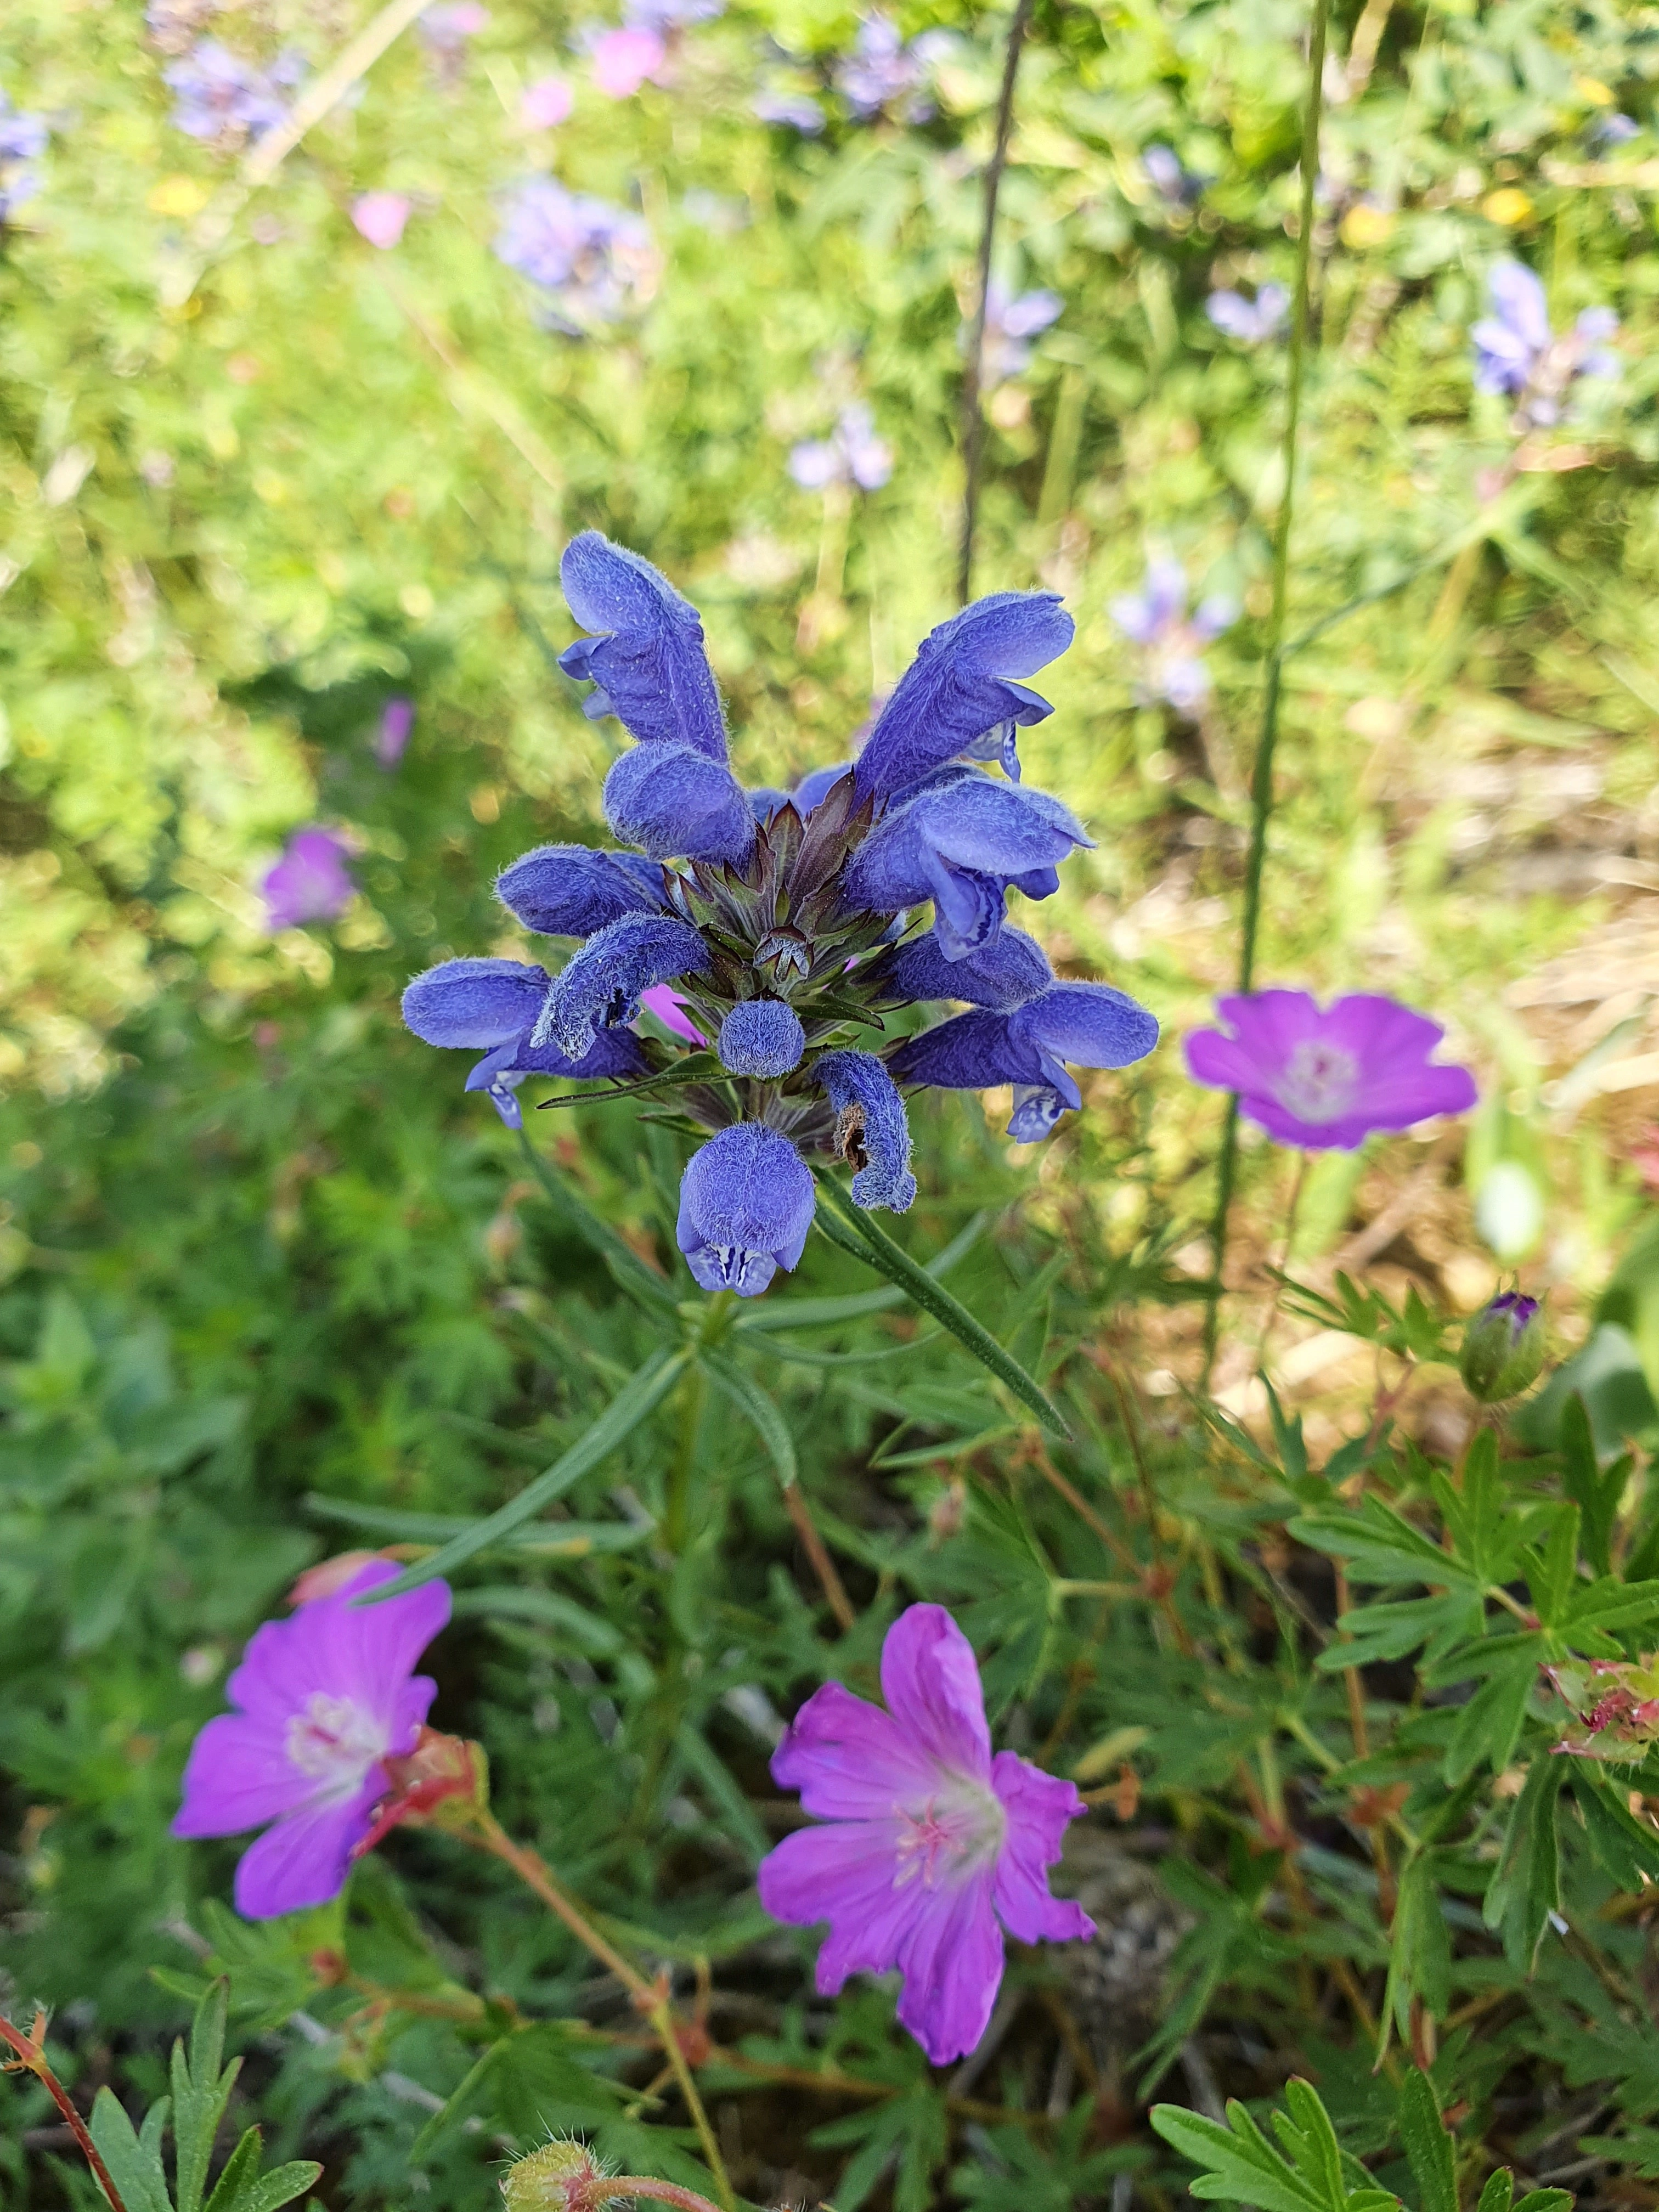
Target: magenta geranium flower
(310, 882)
(1326, 1081)
(321, 1702)
(933, 1846)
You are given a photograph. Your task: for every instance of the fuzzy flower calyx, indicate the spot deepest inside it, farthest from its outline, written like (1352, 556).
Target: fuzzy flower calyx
(781, 928)
(929, 1845)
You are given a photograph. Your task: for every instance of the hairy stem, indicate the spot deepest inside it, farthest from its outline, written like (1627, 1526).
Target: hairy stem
(663, 2020)
(973, 422)
(32, 2059)
(1262, 783)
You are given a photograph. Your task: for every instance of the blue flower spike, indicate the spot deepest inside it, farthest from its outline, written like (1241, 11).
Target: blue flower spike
(805, 914)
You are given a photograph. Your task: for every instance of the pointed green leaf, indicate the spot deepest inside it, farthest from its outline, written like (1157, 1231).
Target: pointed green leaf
(638, 1397)
(270, 2191)
(895, 1262)
(200, 2093)
(1241, 2164)
(1317, 2155)
(630, 1272)
(134, 2160)
(1489, 1726)
(1499, 2191)
(1428, 2146)
(241, 2168)
(758, 1408)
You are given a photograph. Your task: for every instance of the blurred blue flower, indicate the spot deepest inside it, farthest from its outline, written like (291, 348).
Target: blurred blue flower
(595, 262)
(851, 454)
(1517, 353)
(794, 111)
(1010, 323)
(1251, 321)
(23, 141)
(310, 882)
(790, 918)
(1156, 618)
(883, 73)
(670, 15)
(1177, 186)
(223, 98)
(1614, 129)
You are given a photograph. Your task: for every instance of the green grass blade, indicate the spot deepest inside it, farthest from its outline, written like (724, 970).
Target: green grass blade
(931, 1295)
(636, 1398)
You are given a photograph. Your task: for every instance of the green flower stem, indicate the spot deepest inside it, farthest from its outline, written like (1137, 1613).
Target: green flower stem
(1261, 781)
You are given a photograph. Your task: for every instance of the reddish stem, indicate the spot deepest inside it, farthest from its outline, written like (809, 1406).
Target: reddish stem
(32, 2059)
(665, 2192)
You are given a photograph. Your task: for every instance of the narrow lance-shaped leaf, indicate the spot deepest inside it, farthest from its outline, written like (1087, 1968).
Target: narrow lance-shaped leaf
(927, 1292)
(638, 1397)
(200, 2093)
(757, 1407)
(771, 1314)
(134, 2160)
(1428, 2146)
(629, 1270)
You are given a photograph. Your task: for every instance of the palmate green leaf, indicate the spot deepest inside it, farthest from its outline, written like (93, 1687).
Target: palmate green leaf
(1240, 2165)
(1525, 1887)
(649, 1386)
(1595, 1492)
(1428, 2146)
(1489, 1726)
(134, 2159)
(1419, 1945)
(1381, 1546)
(1390, 1631)
(893, 1261)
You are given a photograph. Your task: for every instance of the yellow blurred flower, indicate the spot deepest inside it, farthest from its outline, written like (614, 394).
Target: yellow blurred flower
(1364, 226)
(1593, 92)
(178, 196)
(1508, 206)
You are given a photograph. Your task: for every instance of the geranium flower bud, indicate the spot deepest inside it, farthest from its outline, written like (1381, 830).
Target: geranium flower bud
(1503, 1348)
(557, 2177)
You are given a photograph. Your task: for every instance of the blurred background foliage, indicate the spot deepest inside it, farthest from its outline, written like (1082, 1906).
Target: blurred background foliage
(263, 477)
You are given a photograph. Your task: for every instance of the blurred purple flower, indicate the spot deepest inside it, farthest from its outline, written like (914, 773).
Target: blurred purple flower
(397, 721)
(930, 1846)
(851, 454)
(1156, 618)
(1010, 325)
(546, 104)
(223, 98)
(310, 882)
(1326, 1081)
(882, 73)
(595, 261)
(1516, 352)
(670, 15)
(624, 59)
(1614, 129)
(1251, 321)
(379, 217)
(321, 1702)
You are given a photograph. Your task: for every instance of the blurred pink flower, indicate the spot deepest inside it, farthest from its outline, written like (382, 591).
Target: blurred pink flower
(379, 217)
(310, 882)
(397, 721)
(622, 60)
(546, 103)
(665, 1003)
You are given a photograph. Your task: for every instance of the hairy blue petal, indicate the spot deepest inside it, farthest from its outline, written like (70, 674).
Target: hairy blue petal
(958, 688)
(999, 975)
(1087, 1023)
(571, 890)
(746, 1203)
(649, 664)
(761, 1037)
(600, 988)
(480, 1003)
(678, 803)
(614, 1053)
(959, 840)
(766, 800)
(871, 1132)
(972, 1052)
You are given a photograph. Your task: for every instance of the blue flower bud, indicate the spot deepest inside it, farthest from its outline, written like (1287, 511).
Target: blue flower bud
(746, 1203)
(871, 1132)
(957, 691)
(1503, 1348)
(571, 890)
(650, 666)
(600, 988)
(762, 1037)
(475, 1002)
(675, 802)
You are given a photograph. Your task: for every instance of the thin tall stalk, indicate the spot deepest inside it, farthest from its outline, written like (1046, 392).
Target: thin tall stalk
(1261, 781)
(973, 421)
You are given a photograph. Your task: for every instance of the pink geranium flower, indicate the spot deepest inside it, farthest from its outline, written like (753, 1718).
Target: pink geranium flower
(310, 882)
(546, 104)
(665, 1003)
(322, 1702)
(379, 217)
(1326, 1081)
(933, 1846)
(624, 59)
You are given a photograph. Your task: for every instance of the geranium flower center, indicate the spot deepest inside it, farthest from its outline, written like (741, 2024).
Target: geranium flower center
(1319, 1082)
(961, 1827)
(334, 1739)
